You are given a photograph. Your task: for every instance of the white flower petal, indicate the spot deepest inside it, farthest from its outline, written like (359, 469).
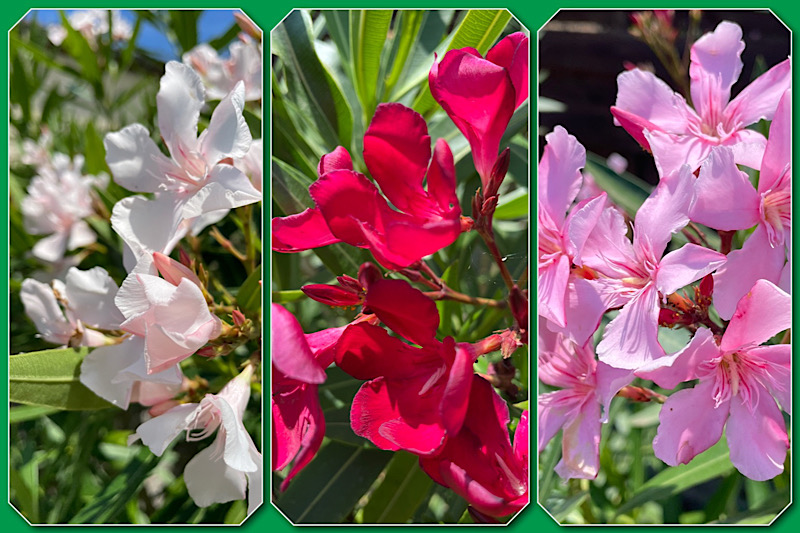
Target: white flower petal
(228, 134)
(43, 309)
(227, 188)
(180, 98)
(210, 480)
(135, 160)
(158, 432)
(90, 294)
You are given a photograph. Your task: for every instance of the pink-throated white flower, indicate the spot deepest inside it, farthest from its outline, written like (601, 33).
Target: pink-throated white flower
(59, 199)
(231, 467)
(73, 313)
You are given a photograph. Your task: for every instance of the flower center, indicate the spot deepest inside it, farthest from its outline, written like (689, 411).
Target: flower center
(776, 206)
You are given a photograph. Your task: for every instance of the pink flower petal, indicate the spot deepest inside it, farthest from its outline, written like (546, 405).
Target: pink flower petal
(777, 375)
(726, 199)
(759, 99)
(740, 272)
(559, 173)
(665, 212)
(762, 313)
(683, 364)
(778, 153)
(673, 151)
(690, 424)
(366, 352)
(716, 56)
(631, 338)
(688, 263)
(442, 178)
(581, 443)
(648, 102)
(552, 288)
(757, 437)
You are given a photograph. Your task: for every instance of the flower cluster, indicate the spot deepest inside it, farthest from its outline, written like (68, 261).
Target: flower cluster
(164, 311)
(597, 268)
(421, 393)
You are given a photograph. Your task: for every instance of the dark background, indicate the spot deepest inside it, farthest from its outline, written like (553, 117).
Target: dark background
(582, 52)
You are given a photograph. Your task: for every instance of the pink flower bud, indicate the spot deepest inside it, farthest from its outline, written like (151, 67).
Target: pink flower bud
(238, 317)
(174, 271)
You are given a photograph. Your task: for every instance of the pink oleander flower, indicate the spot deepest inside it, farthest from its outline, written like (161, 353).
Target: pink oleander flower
(72, 313)
(662, 122)
(220, 76)
(726, 200)
(170, 313)
(416, 396)
(479, 463)
(480, 95)
(587, 385)
(59, 198)
(349, 208)
(199, 180)
(567, 300)
(298, 366)
(739, 383)
(636, 276)
(118, 374)
(231, 466)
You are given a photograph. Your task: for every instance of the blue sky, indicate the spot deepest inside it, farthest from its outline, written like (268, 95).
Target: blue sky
(213, 23)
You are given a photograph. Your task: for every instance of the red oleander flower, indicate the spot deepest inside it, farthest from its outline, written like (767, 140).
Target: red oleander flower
(480, 95)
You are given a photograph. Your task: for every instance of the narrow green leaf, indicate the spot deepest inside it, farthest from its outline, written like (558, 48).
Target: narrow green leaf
(25, 486)
(51, 378)
(94, 151)
(400, 493)
(183, 24)
(712, 463)
(421, 58)
(126, 57)
(338, 24)
(564, 508)
(40, 56)
(624, 189)
(410, 23)
(331, 485)
(24, 413)
(249, 295)
(113, 497)
(309, 83)
(479, 29)
(514, 207)
(78, 47)
(338, 427)
(369, 37)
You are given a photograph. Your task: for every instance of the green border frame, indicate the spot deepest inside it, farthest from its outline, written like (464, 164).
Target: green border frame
(267, 15)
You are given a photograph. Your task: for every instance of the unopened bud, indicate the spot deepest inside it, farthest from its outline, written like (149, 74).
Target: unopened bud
(498, 174)
(238, 317)
(332, 295)
(184, 258)
(518, 302)
(466, 224)
(206, 351)
(368, 274)
(489, 205)
(412, 275)
(163, 407)
(350, 284)
(706, 287)
(174, 271)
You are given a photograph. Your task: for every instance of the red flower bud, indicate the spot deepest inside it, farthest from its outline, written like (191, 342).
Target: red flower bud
(331, 295)
(238, 317)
